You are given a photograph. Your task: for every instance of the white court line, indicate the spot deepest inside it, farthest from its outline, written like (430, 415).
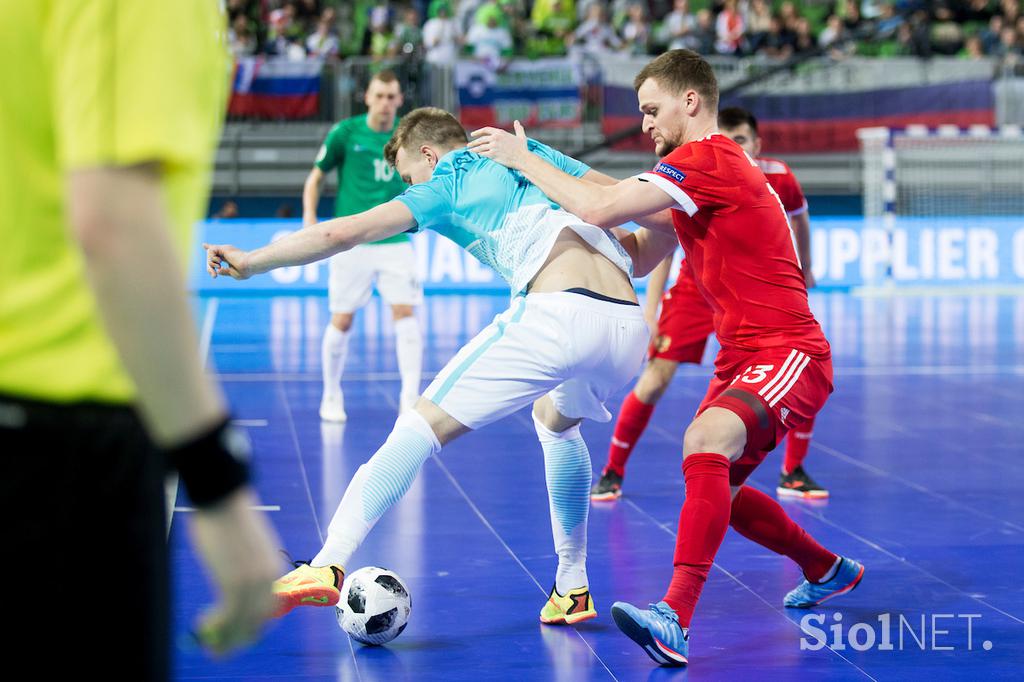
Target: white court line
(249, 423)
(205, 335)
(255, 507)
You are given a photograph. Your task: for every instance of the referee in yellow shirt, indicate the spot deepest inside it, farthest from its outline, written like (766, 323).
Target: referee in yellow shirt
(109, 116)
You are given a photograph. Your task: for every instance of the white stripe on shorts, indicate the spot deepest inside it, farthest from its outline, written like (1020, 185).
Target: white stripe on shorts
(785, 366)
(798, 368)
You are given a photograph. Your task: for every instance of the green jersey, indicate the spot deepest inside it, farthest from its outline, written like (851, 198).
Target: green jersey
(365, 179)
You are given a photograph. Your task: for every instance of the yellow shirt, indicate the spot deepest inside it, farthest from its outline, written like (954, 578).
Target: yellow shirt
(88, 84)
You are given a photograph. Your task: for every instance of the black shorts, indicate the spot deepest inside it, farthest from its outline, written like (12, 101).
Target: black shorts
(82, 522)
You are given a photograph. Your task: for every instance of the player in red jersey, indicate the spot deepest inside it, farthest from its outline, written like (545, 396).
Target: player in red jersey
(774, 371)
(681, 332)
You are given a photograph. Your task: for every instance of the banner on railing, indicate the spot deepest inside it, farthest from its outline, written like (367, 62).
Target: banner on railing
(544, 93)
(275, 88)
(847, 252)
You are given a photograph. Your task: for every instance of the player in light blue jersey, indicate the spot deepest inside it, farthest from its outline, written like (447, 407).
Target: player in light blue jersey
(572, 337)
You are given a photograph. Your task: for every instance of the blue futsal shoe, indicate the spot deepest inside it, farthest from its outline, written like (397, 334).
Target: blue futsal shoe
(656, 630)
(808, 594)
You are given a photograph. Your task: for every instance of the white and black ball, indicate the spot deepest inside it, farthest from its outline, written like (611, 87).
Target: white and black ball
(374, 606)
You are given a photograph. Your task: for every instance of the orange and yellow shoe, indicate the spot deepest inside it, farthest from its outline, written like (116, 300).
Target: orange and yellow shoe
(308, 586)
(576, 606)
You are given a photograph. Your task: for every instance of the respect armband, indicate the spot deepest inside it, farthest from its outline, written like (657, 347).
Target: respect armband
(213, 465)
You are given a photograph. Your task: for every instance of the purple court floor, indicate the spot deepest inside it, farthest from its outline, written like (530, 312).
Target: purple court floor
(921, 445)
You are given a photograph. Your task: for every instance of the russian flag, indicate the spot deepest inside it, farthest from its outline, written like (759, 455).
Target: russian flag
(275, 88)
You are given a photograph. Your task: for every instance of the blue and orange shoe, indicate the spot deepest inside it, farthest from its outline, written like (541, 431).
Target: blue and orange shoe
(656, 630)
(807, 594)
(574, 607)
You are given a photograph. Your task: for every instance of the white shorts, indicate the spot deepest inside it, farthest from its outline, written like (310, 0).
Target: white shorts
(578, 349)
(353, 273)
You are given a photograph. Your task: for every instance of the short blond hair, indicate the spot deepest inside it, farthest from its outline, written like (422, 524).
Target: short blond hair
(426, 125)
(679, 70)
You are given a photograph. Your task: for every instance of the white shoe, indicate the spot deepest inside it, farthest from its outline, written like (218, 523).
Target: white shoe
(407, 402)
(332, 407)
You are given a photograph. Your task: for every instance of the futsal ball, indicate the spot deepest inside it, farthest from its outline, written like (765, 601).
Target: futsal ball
(374, 606)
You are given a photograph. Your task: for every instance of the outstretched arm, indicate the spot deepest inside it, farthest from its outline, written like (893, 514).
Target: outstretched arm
(601, 205)
(311, 244)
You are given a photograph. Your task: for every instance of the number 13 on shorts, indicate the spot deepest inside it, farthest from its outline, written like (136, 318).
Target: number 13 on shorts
(755, 374)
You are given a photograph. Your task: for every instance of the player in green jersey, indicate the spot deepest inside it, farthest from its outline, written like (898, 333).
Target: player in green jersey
(355, 147)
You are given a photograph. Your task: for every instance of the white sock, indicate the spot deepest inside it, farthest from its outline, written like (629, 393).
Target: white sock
(333, 350)
(568, 472)
(409, 345)
(378, 485)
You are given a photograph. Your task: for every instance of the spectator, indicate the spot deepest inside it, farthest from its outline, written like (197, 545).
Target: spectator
(758, 22)
(1010, 10)
(680, 27)
(285, 35)
(324, 42)
(441, 36)
(729, 30)
(1009, 49)
(553, 22)
(636, 32)
(974, 11)
(779, 42)
(465, 14)
(804, 42)
(789, 15)
(491, 42)
(705, 32)
(408, 35)
(835, 38)
(888, 20)
(596, 36)
(382, 41)
(973, 49)
(990, 35)
(241, 41)
(851, 15)
(228, 210)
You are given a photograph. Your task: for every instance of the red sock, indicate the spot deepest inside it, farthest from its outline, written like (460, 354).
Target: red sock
(632, 421)
(760, 518)
(797, 442)
(702, 525)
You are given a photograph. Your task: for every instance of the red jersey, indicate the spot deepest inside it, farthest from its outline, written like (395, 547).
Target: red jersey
(784, 183)
(733, 229)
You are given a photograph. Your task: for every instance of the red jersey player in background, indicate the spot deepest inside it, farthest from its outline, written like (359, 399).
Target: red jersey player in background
(774, 371)
(680, 332)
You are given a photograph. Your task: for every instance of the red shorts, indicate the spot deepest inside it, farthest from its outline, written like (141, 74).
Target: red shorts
(685, 322)
(772, 391)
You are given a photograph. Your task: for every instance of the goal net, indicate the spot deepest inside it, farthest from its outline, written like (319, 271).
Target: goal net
(943, 172)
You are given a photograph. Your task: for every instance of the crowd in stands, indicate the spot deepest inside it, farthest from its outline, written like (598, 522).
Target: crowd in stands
(440, 31)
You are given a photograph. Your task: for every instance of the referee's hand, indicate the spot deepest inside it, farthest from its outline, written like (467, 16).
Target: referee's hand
(237, 545)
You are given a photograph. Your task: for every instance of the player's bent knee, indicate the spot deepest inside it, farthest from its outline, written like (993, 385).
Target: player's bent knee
(716, 430)
(400, 312)
(547, 416)
(444, 426)
(342, 321)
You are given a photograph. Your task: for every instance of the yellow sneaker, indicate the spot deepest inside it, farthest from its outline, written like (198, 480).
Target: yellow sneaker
(576, 606)
(308, 586)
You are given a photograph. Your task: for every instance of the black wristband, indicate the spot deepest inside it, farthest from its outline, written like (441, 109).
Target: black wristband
(214, 465)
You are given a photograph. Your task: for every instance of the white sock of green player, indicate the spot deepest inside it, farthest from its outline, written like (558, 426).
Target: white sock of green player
(378, 485)
(409, 345)
(568, 473)
(333, 350)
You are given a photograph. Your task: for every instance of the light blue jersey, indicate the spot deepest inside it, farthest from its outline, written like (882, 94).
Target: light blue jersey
(499, 216)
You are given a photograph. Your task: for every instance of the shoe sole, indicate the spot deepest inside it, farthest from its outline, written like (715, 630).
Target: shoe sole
(337, 419)
(605, 497)
(849, 588)
(800, 494)
(569, 620)
(656, 650)
(313, 596)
